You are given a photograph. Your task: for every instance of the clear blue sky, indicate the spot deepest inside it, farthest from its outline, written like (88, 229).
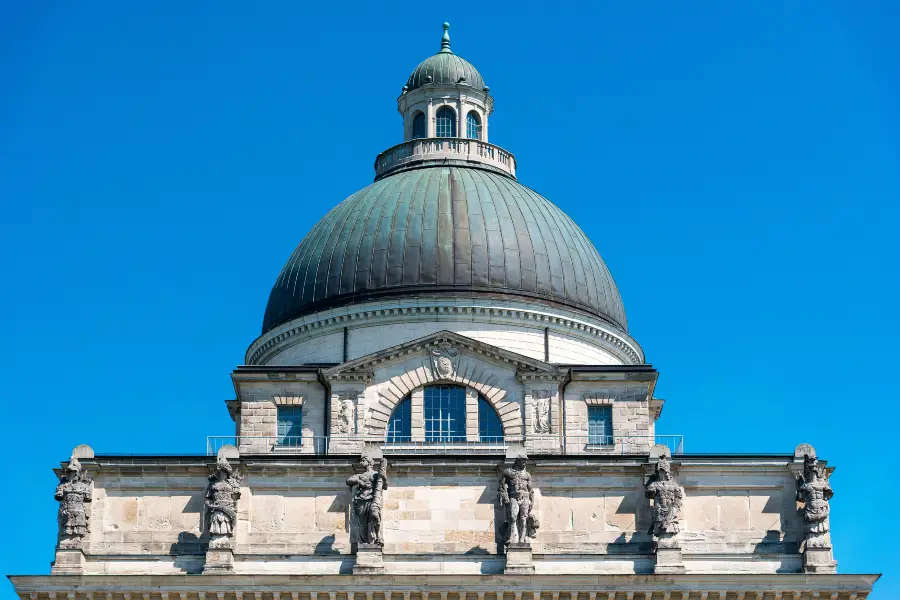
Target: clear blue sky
(736, 164)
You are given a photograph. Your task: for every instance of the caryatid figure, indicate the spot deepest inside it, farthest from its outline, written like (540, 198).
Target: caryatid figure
(516, 495)
(367, 489)
(667, 498)
(73, 492)
(222, 494)
(815, 492)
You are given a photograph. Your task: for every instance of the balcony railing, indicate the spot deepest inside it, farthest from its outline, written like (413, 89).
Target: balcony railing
(353, 444)
(415, 153)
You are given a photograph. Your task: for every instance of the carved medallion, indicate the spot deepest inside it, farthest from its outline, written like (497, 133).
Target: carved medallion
(444, 358)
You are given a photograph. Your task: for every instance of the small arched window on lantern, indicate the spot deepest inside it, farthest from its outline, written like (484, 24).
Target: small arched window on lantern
(418, 128)
(473, 126)
(445, 122)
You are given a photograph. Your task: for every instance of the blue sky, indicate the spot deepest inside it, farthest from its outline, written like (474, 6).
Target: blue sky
(736, 164)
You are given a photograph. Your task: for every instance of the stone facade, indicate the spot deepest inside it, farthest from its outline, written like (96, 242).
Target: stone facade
(489, 438)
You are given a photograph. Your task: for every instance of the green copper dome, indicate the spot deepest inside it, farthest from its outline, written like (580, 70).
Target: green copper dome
(445, 68)
(445, 231)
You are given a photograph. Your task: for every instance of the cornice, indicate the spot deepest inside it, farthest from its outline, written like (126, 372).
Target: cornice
(50, 587)
(272, 342)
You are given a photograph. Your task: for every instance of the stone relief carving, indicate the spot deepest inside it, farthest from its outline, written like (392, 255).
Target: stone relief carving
(814, 492)
(444, 358)
(516, 496)
(73, 492)
(367, 489)
(345, 422)
(541, 412)
(222, 494)
(668, 498)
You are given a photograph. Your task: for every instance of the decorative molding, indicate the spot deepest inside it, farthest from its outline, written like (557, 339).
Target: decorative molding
(617, 394)
(594, 400)
(288, 400)
(272, 343)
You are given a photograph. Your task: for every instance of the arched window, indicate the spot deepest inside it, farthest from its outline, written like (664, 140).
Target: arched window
(400, 425)
(445, 122)
(490, 429)
(445, 413)
(419, 131)
(473, 126)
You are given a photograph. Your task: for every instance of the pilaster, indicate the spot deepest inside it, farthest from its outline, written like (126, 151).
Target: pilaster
(417, 415)
(471, 414)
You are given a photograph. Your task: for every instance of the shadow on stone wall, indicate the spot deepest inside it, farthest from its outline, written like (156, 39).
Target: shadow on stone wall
(189, 552)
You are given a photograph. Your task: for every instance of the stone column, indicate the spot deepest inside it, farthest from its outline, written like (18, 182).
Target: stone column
(429, 118)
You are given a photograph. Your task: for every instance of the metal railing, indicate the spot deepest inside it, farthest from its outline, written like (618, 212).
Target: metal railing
(353, 444)
(442, 149)
(601, 444)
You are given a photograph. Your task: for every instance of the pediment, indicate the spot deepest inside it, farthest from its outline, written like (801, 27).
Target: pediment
(364, 367)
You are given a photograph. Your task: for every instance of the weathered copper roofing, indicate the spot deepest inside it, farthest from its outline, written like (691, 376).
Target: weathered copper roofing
(445, 68)
(444, 231)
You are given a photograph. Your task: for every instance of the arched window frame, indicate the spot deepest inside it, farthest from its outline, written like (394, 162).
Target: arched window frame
(445, 122)
(443, 419)
(473, 125)
(419, 126)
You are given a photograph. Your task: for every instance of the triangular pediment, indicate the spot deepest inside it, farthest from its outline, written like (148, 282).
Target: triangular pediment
(366, 365)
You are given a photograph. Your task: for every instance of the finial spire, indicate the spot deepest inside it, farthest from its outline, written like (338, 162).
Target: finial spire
(445, 40)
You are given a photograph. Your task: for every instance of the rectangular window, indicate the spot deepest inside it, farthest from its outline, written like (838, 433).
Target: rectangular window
(600, 424)
(290, 425)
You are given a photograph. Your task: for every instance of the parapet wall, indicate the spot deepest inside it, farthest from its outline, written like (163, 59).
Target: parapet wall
(441, 515)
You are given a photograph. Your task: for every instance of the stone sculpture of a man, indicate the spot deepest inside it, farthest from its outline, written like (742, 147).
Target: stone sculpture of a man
(667, 498)
(367, 489)
(815, 492)
(73, 492)
(222, 494)
(516, 497)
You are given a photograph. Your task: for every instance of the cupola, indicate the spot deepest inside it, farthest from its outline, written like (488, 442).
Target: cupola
(445, 97)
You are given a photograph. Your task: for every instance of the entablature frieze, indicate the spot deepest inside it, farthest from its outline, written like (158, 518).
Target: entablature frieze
(297, 330)
(786, 586)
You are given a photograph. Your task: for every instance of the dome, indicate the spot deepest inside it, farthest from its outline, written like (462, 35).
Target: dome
(445, 68)
(445, 231)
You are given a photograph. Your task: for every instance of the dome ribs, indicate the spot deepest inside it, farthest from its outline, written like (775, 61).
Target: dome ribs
(444, 231)
(462, 240)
